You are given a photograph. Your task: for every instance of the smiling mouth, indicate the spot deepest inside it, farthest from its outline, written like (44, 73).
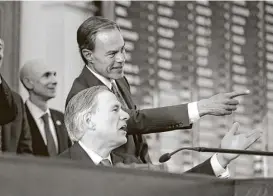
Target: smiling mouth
(117, 67)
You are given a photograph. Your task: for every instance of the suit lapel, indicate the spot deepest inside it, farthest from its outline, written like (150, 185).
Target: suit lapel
(36, 135)
(77, 153)
(89, 78)
(125, 92)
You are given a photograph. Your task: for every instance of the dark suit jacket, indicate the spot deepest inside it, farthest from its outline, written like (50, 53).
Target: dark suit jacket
(38, 144)
(141, 121)
(77, 153)
(16, 135)
(8, 109)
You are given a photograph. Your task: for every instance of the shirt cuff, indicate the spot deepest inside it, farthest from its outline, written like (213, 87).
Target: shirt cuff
(193, 112)
(217, 168)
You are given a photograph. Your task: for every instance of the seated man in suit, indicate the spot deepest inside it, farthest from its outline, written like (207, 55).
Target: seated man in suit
(102, 49)
(49, 135)
(97, 124)
(14, 132)
(7, 104)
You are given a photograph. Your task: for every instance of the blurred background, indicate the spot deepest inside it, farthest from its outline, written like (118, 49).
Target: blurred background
(177, 52)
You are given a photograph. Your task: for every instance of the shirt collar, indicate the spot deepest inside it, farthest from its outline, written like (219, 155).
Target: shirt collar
(104, 80)
(35, 111)
(93, 155)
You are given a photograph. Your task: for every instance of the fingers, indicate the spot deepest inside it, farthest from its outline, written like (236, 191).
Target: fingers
(237, 93)
(230, 107)
(253, 138)
(231, 102)
(254, 134)
(234, 128)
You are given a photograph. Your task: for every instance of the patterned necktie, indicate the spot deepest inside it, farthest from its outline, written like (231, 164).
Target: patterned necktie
(116, 91)
(51, 148)
(105, 162)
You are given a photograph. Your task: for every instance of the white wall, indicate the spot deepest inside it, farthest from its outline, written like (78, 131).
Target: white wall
(48, 31)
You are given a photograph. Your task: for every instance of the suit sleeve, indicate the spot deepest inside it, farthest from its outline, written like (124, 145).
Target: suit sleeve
(8, 109)
(203, 168)
(158, 120)
(76, 88)
(25, 141)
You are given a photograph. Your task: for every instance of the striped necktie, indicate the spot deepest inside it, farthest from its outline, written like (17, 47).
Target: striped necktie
(117, 92)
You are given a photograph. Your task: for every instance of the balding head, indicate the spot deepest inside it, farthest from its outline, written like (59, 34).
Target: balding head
(33, 68)
(39, 78)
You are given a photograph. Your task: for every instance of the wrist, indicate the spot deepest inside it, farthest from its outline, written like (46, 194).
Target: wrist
(222, 160)
(202, 108)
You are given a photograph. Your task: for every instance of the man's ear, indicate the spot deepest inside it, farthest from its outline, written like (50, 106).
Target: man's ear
(88, 120)
(28, 83)
(88, 55)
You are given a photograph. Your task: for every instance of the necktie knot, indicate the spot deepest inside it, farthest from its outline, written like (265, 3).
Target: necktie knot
(106, 162)
(113, 86)
(45, 117)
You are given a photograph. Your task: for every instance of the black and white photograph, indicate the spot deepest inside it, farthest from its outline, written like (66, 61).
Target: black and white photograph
(129, 98)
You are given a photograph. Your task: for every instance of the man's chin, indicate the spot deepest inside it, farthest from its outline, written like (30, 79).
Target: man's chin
(48, 97)
(117, 76)
(123, 141)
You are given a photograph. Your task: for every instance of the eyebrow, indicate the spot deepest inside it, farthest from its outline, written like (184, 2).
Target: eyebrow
(114, 51)
(49, 72)
(116, 105)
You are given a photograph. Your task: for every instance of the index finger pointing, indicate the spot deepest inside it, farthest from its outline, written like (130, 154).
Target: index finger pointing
(237, 93)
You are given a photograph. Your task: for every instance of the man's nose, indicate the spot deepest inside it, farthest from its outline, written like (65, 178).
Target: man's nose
(120, 58)
(124, 115)
(54, 80)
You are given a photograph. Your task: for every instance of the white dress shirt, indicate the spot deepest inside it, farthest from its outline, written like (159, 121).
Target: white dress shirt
(193, 113)
(37, 114)
(93, 155)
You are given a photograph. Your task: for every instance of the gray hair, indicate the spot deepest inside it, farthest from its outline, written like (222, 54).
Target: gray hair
(82, 103)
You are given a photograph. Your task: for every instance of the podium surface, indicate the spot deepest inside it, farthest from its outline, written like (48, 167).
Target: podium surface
(29, 176)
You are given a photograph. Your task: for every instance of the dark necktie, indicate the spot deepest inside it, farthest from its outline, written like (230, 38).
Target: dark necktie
(116, 91)
(105, 162)
(51, 147)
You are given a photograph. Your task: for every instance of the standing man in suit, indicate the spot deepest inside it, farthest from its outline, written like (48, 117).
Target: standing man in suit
(7, 104)
(49, 135)
(15, 134)
(97, 124)
(102, 49)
